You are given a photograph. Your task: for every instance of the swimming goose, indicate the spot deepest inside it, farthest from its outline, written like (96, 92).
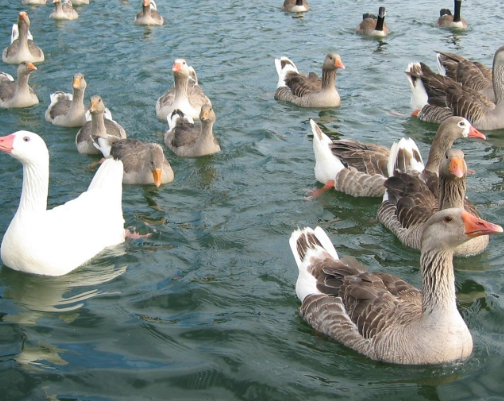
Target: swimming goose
(55, 242)
(63, 10)
(380, 315)
(436, 97)
(68, 110)
(187, 139)
(149, 14)
(470, 74)
(372, 25)
(34, 2)
(23, 48)
(447, 20)
(98, 126)
(410, 202)
(18, 94)
(308, 90)
(186, 96)
(296, 6)
(144, 163)
(360, 169)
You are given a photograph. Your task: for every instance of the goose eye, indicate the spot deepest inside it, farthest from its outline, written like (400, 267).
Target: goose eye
(26, 139)
(448, 219)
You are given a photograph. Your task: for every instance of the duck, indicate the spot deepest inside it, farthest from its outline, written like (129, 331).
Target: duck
(18, 94)
(447, 20)
(187, 139)
(144, 163)
(436, 97)
(99, 125)
(56, 241)
(361, 169)
(22, 48)
(410, 201)
(308, 90)
(371, 25)
(63, 9)
(295, 6)
(66, 109)
(378, 314)
(472, 74)
(187, 95)
(149, 14)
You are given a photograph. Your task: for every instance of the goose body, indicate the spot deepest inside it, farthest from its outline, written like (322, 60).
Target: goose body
(436, 97)
(380, 315)
(470, 74)
(187, 139)
(22, 47)
(149, 14)
(66, 109)
(360, 169)
(447, 20)
(144, 163)
(18, 94)
(296, 6)
(187, 96)
(63, 9)
(98, 126)
(410, 202)
(308, 90)
(56, 241)
(372, 25)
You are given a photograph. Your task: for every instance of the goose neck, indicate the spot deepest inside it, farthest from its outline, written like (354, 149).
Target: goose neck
(181, 84)
(498, 82)
(379, 23)
(35, 187)
(98, 124)
(451, 192)
(328, 79)
(456, 16)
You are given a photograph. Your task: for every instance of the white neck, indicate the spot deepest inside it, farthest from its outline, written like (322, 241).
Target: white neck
(35, 186)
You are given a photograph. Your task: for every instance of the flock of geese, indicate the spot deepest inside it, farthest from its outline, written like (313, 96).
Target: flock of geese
(377, 314)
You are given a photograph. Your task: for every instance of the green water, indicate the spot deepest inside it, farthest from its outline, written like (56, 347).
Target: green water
(205, 309)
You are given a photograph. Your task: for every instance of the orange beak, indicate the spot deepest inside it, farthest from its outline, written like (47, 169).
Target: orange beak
(474, 133)
(31, 67)
(6, 143)
(93, 106)
(23, 15)
(156, 174)
(176, 67)
(474, 226)
(339, 64)
(76, 83)
(146, 3)
(457, 167)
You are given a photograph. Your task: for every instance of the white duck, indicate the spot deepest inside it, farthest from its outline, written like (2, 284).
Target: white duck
(66, 109)
(55, 242)
(63, 10)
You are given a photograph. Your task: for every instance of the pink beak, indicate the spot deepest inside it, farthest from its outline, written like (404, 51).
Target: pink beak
(6, 143)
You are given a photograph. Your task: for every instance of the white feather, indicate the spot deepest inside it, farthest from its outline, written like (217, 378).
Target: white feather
(327, 165)
(282, 72)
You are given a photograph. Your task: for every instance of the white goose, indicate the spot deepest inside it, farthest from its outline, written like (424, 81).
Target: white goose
(55, 242)
(380, 315)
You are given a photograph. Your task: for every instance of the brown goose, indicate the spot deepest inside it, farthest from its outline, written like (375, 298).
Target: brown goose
(186, 96)
(63, 9)
(471, 74)
(296, 6)
(308, 90)
(68, 110)
(144, 163)
(98, 126)
(411, 201)
(22, 48)
(149, 14)
(187, 139)
(447, 20)
(436, 97)
(360, 169)
(17, 94)
(372, 25)
(380, 315)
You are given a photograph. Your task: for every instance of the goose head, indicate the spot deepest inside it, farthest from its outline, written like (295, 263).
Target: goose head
(207, 113)
(23, 20)
(25, 146)
(79, 83)
(96, 105)
(155, 162)
(181, 68)
(25, 68)
(453, 164)
(450, 228)
(332, 62)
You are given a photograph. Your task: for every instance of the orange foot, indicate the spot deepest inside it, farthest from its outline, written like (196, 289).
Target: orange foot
(315, 193)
